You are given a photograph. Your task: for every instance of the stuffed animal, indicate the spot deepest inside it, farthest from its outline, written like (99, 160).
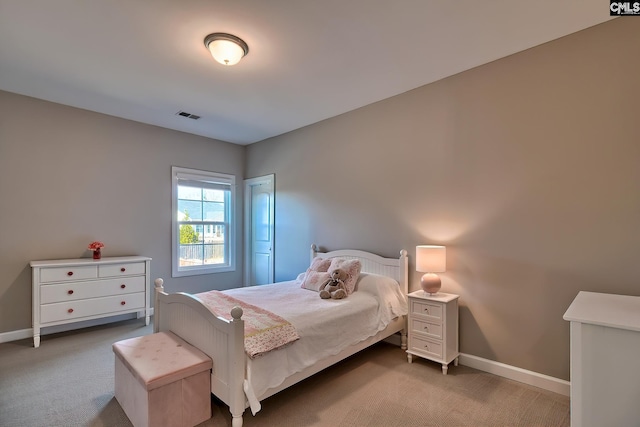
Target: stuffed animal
(334, 287)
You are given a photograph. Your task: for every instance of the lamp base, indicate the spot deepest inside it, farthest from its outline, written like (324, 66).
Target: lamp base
(431, 283)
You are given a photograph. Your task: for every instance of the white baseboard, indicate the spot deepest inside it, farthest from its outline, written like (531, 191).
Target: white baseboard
(28, 333)
(16, 335)
(535, 379)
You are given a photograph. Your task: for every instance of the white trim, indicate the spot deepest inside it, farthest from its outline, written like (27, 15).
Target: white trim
(535, 379)
(206, 176)
(248, 202)
(16, 335)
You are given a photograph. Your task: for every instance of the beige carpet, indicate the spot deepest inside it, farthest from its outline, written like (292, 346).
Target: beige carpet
(68, 381)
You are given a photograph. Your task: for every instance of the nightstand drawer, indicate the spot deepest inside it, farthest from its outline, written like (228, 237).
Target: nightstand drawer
(432, 330)
(433, 311)
(426, 347)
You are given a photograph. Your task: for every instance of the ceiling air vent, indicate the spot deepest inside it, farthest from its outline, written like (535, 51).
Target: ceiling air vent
(187, 115)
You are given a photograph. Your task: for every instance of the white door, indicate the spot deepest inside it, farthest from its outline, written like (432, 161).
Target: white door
(259, 230)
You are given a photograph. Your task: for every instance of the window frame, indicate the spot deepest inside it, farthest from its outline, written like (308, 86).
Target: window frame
(230, 221)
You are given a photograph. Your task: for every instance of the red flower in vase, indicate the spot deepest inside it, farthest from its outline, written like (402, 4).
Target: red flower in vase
(95, 247)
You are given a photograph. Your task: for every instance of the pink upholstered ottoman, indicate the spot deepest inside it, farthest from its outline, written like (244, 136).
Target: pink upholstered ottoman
(160, 380)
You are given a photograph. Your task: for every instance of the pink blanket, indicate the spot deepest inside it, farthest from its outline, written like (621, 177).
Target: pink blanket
(263, 330)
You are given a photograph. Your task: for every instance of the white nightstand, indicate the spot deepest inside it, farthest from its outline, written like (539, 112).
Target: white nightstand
(433, 327)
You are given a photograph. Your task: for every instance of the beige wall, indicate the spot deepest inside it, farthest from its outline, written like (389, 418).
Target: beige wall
(527, 168)
(70, 176)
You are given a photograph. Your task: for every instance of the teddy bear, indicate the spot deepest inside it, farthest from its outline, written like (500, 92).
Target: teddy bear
(334, 287)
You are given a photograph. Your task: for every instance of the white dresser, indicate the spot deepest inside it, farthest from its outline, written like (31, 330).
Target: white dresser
(74, 290)
(433, 327)
(605, 360)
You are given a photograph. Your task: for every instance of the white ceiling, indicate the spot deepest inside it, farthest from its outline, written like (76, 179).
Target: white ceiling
(308, 60)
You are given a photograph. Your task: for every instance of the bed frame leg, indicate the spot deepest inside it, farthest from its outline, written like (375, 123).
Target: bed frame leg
(403, 339)
(236, 421)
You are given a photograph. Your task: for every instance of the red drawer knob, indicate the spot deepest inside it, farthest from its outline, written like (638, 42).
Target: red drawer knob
(122, 303)
(123, 286)
(123, 269)
(70, 310)
(70, 291)
(70, 273)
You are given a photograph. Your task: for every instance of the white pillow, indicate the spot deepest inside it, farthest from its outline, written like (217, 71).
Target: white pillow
(384, 288)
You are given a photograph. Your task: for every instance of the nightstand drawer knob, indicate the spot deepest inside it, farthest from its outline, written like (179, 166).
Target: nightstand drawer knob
(70, 273)
(122, 303)
(123, 286)
(123, 269)
(70, 311)
(426, 328)
(70, 291)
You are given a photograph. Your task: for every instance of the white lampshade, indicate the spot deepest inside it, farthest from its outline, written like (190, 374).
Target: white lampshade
(431, 259)
(226, 48)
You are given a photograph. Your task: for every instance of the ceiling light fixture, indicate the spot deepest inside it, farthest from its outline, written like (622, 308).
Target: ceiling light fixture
(225, 48)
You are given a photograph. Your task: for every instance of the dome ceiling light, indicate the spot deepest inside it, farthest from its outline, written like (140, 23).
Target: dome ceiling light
(225, 48)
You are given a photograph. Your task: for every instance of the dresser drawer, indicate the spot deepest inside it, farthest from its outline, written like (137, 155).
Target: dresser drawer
(432, 330)
(91, 307)
(431, 311)
(426, 347)
(124, 269)
(71, 291)
(66, 274)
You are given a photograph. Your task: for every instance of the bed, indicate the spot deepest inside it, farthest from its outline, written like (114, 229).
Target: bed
(241, 381)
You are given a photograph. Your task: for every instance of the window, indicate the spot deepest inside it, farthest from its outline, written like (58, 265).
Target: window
(203, 229)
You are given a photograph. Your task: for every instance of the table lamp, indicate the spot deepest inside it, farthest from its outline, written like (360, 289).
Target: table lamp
(431, 259)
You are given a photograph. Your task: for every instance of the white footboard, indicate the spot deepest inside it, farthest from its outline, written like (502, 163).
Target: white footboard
(222, 340)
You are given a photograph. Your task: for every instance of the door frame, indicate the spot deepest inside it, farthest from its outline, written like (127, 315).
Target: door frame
(248, 205)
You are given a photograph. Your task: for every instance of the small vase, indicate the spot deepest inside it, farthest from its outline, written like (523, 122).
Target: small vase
(97, 254)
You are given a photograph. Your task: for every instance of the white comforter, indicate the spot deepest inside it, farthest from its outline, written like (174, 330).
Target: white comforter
(326, 327)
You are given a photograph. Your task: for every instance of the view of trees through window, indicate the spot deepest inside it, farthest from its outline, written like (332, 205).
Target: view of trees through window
(187, 233)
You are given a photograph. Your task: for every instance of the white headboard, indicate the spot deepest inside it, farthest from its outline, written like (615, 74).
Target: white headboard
(396, 268)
